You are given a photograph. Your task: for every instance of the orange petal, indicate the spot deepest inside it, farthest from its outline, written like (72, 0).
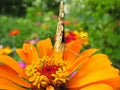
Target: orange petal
(8, 69)
(8, 85)
(50, 88)
(74, 89)
(97, 64)
(114, 82)
(58, 55)
(94, 61)
(72, 51)
(30, 52)
(23, 56)
(14, 77)
(92, 77)
(97, 87)
(81, 59)
(44, 47)
(12, 64)
(88, 66)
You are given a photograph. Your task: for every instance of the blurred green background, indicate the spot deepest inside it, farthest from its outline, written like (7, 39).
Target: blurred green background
(38, 19)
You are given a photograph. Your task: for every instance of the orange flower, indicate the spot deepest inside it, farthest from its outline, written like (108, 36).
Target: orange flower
(83, 36)
(6, 50)
(70, 36)
(44, 26)
(67, 22)
(46, 69)
(38, 13)
(14, 32)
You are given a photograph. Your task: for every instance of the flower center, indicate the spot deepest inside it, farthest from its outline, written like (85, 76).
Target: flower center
(47, 71)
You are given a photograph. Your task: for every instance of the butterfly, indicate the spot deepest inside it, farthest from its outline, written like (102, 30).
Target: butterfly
(60, 38)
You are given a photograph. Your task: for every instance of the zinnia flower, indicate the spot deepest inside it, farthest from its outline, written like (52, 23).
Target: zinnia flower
(70, 36)
(44, 26)
(6, 50)
(46, 69)
(14, 32)
(38, 13)
(67, 22)
(74, 35)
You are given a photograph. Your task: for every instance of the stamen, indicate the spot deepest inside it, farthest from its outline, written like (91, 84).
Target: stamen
(42, 74)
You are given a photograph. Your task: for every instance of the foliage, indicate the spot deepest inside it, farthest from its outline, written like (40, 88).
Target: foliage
(21, 7)
(26, 27)
(101, 19)
(13, 7)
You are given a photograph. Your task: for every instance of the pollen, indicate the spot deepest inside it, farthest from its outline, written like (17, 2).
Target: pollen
(47, 71)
